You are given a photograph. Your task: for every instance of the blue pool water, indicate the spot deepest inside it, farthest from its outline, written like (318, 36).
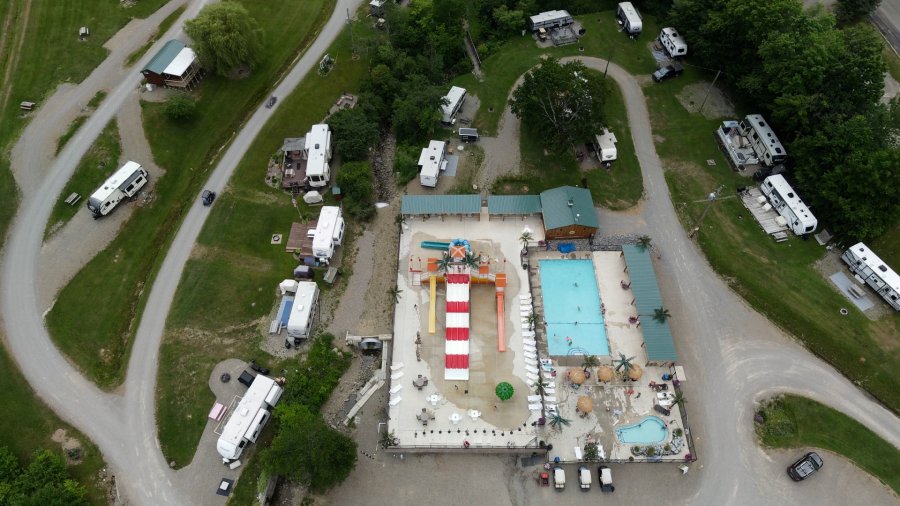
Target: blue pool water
(572, 308)
(650, 430)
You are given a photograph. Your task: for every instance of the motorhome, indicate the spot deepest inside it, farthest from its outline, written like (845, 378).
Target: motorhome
(248, 418)
(329, 233)
(318, 149)
(672, 42)
(788, 204)
(431, 162)
(454, 102)
(763, 140)
(125, 182)
(304, 310)
(864, 263)
(605, 147)
(550, 19)
(629, 18)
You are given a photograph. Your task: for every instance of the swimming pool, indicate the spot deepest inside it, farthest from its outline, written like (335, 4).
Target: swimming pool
(650, 430)
(572, 308)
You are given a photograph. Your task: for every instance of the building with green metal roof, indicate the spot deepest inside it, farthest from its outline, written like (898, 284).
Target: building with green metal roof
(568, 213)
(513, 205)
(647, 299)
(436, 205)
(175, 65)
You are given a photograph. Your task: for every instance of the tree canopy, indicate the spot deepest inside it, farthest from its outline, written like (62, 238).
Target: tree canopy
(851, 11)
(180, 107)
(561, 99)
(308, 451)
(225, 37)
(43, 481)
(354, 133)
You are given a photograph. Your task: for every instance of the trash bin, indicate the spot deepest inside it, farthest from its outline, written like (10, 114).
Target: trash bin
(336, 191)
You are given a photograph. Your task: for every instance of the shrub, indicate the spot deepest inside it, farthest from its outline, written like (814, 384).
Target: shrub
(180, 107)
(355, 180)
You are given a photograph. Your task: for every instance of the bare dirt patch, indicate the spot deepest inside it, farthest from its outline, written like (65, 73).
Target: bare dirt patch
(71, 447)
(717, 104)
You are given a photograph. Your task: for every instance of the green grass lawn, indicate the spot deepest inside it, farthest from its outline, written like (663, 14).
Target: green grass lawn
(514, 58)
(778, 280)
(887, 247)
(798, 422)
(235, 246)
(117, 277)
(98, 164)
(70, 132)
(163, 28)
(27, 425)
(619, 187)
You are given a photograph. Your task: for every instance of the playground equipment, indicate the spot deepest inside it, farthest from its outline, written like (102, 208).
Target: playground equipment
(435, 245)
(458, 278)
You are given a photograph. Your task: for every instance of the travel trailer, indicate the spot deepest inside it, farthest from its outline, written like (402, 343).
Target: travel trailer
(125, 182)
(673, 42)
(605, 147)
(788, 204)
(318, 150)
(550, 19)
(763, 140)
(329, 233)
(432, 162)
(864, 263)
(304, 310)
(248, 418)
(629, 18)
(455, 99)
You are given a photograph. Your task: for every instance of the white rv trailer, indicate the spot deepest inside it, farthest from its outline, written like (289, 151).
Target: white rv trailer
(550, 19)
(304, 310)
(630, 18)
(455, 98)
(432, 162)
(763, 140)
(318, 149)
(125, 182)
(789, 205)
(605, 147)
(673, 42)
(865, 263)
(329, 233)
(249, 417)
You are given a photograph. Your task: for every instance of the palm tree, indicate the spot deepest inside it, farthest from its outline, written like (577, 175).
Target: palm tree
(624, 363)
(540, 388)
(661, 314)
(679, 399)
(588, 362)
(525, 238)
(444, 262)
(472, 260)
(644, 242)
(531, 319)
(395, 293)
(558, 422)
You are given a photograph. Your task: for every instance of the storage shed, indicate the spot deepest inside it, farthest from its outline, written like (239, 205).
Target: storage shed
(174, 66)
(568, 213)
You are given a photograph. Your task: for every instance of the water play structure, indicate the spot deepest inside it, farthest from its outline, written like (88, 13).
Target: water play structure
(458, 269)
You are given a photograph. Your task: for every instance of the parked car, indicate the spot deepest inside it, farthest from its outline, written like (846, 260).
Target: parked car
(606, 484)
(668, 72)
(271, 102)
(805, 467)
(208, 197)
(584, 477)
(559, 478)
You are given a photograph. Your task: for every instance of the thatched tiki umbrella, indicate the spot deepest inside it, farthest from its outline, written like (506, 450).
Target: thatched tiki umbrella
(635, 372)
(576, 376)
(585, 404)
(605, 373)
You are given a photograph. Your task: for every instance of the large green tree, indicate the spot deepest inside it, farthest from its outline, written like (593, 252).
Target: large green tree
(354, 133)
(561, 99)
(308, 451)
(851, 11)
(418, 111)
(225, 37)
(44, 481)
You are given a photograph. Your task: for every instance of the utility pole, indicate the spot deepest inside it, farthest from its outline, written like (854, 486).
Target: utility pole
(611, 51)
(709, 201)
(708, 90)
(350, 24)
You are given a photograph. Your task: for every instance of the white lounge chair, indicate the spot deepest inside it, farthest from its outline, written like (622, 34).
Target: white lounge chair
(531, 369)
(532, 376)
(534, 398)
(529, 342)
(397, 375)
(395, 401)
(524, 296)
(530, 356)
(534, 407)
(529, 382)
(396, 388)
(526, 348)
(550, 399)
(528, 333)
(397, 366)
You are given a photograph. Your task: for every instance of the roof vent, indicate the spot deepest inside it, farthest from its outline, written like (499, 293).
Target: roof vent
(317, 146)
(571, 202)
(432, 157)
(882, 268)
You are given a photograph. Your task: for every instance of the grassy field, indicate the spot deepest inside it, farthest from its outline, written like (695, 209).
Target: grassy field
(163, 28)
(798, 422)
(887, 247)
(514, 58)
(70, 132)
(779, 280)
(187, 151)
(98, 163)
(234, 245)
(619, 187)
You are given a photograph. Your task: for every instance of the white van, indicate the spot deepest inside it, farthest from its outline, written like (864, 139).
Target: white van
(673, 42)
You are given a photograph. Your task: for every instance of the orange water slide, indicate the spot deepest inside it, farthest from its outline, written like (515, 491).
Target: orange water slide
(500, 283)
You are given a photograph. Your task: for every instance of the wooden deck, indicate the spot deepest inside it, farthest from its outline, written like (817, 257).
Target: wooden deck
(768, 219)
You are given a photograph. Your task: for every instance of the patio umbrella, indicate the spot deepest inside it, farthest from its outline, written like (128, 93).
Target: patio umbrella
(585, 404)
(605, 373)
(576, 376)
(635, 372)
